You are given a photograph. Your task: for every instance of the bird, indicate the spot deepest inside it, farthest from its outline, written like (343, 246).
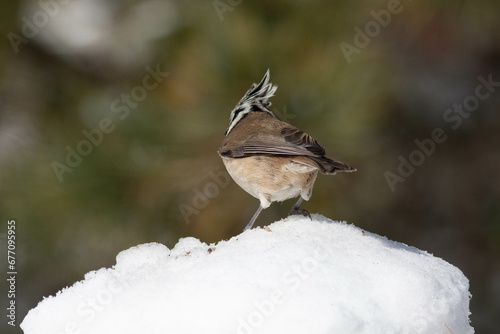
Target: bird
(271, 159)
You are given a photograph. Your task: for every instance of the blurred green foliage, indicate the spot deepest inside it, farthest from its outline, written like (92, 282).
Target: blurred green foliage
(366, 112)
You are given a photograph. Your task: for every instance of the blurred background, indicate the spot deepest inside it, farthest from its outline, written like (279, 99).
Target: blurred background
(158, 79)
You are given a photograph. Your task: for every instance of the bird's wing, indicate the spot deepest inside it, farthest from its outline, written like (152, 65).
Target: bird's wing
(288, 141)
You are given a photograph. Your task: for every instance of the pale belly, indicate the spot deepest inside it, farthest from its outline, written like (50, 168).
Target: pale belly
(267, 178)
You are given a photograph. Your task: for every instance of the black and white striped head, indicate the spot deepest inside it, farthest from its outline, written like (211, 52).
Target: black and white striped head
(255, 99)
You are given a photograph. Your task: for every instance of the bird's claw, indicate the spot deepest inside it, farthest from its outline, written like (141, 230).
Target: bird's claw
(298, 211)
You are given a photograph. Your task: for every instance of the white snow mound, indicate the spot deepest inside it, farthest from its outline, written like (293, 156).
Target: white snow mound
(303, 276)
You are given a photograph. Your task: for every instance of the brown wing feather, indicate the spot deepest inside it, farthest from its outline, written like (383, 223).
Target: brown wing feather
(266, 142)
(299, 138)
(273, 139)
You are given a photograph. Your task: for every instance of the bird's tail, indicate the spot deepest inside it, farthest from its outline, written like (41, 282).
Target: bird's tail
(330, 166)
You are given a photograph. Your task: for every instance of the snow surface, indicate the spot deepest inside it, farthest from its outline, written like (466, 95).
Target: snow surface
(302, 276)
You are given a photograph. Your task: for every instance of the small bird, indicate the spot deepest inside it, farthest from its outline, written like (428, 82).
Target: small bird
(270, 159)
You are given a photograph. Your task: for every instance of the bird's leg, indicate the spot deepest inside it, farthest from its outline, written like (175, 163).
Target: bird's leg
(296, 210)
(255, 215)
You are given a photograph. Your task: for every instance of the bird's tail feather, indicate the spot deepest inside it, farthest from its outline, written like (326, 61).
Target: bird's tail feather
(330, 166)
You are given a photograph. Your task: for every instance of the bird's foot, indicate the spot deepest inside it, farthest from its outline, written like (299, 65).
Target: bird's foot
(299, 211)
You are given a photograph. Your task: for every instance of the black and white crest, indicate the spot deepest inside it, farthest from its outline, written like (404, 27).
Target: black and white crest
(255, 99)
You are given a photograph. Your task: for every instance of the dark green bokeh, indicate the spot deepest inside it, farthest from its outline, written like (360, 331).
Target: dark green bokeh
(366, 112)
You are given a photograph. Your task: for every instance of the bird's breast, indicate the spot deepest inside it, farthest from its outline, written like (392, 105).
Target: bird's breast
(268, 176)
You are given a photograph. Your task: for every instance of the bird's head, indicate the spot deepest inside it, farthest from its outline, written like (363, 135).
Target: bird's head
(255, 99)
